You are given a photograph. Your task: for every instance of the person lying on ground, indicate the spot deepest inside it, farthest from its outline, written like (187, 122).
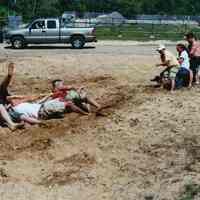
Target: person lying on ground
(184, 76)
(194, 53)
(32, 109)
(77, 96)
(34, 113)
(171, 64)
(3, 100)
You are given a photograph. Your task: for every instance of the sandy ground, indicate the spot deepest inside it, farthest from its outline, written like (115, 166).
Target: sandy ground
(144, 145)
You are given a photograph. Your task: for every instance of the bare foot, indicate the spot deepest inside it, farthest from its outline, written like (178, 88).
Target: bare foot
(15, 126)
(99, 108)
(190, 86)
(172, 91)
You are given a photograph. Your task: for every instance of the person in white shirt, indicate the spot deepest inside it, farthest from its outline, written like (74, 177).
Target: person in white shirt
(33, 113)
(184, 76)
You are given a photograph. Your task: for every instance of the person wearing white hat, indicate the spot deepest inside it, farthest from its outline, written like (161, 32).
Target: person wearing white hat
(161, 47)
(171, 64)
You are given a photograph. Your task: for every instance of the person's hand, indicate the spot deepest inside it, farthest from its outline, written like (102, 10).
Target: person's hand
(11, 68)
(157, 65)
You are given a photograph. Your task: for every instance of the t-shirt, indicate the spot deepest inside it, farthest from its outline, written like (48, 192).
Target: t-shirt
(60, 94)
(195, 49)
(171, 58)
(186, 60)
(28, 109)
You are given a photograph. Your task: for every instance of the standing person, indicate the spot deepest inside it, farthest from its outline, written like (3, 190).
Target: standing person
(194, 52)
(3, 99)
(184, 76)
(171, 64)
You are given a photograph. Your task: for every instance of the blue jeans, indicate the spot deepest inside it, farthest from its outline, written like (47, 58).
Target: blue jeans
(182, 78)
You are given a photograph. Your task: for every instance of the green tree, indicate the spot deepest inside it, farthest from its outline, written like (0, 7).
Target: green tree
(30, 8)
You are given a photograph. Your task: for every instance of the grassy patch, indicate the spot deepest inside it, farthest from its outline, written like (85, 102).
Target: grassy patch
(145, 32)
(191, 191)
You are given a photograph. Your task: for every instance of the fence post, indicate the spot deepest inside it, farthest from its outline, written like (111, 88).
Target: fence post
(1, 34)
(152, 28)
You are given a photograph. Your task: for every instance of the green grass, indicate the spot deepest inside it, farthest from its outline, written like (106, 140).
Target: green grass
(191, 191)
(145, 32)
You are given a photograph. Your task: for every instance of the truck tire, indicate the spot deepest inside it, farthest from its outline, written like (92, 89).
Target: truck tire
(18, 42)
(77, 42)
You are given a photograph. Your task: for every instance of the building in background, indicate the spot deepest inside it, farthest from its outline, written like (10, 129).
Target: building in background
(14, 22)
(114, 18)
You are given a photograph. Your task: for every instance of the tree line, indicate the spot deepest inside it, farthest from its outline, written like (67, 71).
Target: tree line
(129, 8)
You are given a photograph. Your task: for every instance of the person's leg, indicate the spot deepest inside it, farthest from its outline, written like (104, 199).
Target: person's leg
(190, 78)
(30, 120)
(8, 78)
(92, 102)
(178, 79)
(197, 71)
(163, 83)
(172, 85)
(193, 68)
(197, 79)
(5, 116)
(75, 108)
(174, 76)
(162, 74)
(174, 71)
(84, 98)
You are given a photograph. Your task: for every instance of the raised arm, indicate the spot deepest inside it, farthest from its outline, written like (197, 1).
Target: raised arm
(22, 98)
(8, 78)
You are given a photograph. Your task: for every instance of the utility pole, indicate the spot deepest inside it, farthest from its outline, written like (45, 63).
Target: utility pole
(34, 7)
(11, 5)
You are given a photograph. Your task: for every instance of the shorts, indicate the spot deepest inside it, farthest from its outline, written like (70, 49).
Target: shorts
(171, 72)
(195, 64)
(15, 116)
(78, 98)
(52, 109)
(73, 94)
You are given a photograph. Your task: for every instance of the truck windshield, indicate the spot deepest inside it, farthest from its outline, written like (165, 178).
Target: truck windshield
(29, 24)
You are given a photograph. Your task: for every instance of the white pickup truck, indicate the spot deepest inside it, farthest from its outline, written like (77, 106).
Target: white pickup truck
(50, 31)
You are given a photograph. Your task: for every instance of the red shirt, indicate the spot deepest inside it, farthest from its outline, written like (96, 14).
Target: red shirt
(60, 94)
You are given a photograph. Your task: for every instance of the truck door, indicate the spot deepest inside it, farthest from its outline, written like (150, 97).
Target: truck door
(52, 31)
(37, 32)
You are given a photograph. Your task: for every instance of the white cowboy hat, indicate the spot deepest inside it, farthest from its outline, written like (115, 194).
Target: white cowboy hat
(161, 47)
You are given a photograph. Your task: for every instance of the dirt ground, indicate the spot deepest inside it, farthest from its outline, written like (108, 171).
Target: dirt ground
(144, 145)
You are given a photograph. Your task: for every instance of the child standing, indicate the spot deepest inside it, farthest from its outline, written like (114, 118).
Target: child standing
(184, 76)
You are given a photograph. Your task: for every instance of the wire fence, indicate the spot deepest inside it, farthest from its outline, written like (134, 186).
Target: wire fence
(146, 32)
(142, 28)
(115, 28)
